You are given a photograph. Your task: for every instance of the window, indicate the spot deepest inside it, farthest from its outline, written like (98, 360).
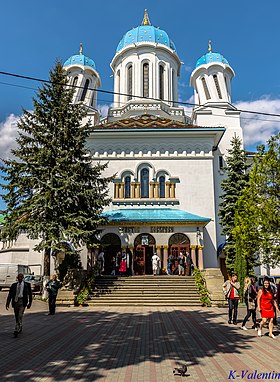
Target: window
(144, 183)
(127, 187)
(206, 91)
(75, 81)
(161, 82)
(162, 187)
(85, 90)
(146, 80)
(217, 86)
(221, 162)
(129, 82)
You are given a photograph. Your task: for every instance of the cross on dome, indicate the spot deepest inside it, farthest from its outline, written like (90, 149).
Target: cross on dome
(146, 20)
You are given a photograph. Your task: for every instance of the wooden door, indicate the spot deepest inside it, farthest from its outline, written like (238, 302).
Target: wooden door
(139, 262)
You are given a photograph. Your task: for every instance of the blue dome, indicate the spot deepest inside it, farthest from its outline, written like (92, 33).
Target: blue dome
(80, 59)
(145, 33)
(211, 57)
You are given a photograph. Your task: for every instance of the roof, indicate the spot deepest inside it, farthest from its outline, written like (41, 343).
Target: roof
(211, 57)
(147, 121)
(153, 215)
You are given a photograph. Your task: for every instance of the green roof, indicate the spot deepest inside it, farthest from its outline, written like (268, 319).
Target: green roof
(163, 215)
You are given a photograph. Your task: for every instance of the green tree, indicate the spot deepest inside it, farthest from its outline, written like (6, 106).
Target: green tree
(258, 213)
(232, 186)
(54, 192)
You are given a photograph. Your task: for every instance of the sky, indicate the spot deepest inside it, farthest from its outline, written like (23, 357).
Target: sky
(34, 34)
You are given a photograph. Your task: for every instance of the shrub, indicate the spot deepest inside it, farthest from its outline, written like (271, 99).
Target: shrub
(201, 286)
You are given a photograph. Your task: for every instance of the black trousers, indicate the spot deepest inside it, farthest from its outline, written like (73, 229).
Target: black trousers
(232, 306)
(52, 300)
(248, 315)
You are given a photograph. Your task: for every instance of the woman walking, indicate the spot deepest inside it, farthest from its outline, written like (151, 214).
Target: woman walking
(266, 304)
(250, 297)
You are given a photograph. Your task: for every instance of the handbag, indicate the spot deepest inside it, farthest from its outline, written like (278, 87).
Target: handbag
(251, 305)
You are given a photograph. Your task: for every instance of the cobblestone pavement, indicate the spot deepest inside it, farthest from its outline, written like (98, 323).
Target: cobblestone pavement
(138, 344)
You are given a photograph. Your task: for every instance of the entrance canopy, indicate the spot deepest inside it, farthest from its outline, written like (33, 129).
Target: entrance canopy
(153, 215)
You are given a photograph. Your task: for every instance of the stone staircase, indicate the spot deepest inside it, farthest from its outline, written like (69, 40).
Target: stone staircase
(144, 291)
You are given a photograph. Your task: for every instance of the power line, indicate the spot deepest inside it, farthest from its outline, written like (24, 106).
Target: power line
(135, 96)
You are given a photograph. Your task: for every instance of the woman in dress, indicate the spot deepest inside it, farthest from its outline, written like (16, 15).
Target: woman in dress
(250, 297)
(266, 304)
(122, 268)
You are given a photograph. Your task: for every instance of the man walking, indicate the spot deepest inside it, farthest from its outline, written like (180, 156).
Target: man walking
(231, 292)
(189, 263)
(155, 263)
(52, 287)
(21, 296)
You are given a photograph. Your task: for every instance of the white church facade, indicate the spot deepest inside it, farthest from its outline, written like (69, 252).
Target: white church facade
(168, 166)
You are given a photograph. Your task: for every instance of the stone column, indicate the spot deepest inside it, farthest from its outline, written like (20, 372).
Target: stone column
(165, 256)
(132, 190)
(200, 257)
(121, 190)
(117, 190)
(193, 247)
(152, 185)
(167, 190)
(156, 190)
(137, 190)
(172, 186)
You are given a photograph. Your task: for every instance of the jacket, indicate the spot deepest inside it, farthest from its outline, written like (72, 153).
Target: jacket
(228, 285)
(27, 294)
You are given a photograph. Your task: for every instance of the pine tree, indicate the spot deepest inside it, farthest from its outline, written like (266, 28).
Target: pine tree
(232, 187)
(54, 193)
(258, 212)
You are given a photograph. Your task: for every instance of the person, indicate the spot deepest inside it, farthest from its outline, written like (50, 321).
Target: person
(181, 264)
(100, 263)
(113, 266)
(189, 263)
(278, 295)
(21, 296)
(250, 297)
(231, 291)
(118, 262)
(155, 263)
(52, 287)
(170, 262)
(266, 304)
(122, 268)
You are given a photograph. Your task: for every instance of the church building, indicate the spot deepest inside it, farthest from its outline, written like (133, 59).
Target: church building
(168, 166)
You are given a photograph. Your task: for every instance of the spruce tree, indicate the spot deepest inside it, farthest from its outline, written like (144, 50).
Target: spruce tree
(54, 192)
(258, 212)
(232, 186)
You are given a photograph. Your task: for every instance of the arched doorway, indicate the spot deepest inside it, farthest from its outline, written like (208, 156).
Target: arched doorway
(179, 242)
(111, 245)
(144, 247)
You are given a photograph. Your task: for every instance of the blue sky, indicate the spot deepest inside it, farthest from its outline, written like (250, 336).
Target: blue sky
(36, 33)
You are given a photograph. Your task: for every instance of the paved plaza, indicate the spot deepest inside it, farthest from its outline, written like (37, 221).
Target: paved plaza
(139, 344)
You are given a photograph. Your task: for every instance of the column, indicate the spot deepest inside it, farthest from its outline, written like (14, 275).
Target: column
(132, 190)
(117, 190)
(156, 190)
(172, 186)
(152, 185)
(200, 257)
(167, 190)
(137, 190)
(193, 247)
(121, 190)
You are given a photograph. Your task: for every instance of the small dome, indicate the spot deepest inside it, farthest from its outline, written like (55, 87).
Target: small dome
(80, 59)
(145, 32)
(210, 57)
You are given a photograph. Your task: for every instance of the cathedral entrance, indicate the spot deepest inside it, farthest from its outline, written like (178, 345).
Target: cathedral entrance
(111, 245)
(177, 243)
(144, 247)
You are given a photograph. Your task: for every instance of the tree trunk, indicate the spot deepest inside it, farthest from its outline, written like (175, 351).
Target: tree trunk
(47, 255)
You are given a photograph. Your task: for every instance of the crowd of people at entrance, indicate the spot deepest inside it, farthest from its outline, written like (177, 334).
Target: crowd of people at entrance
(266, 300)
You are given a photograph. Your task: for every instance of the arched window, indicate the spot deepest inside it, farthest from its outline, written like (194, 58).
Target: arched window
(206, 91)
(85, 89)
(129, 82)
(161, 82)
(144, 183)
(75, 81)
(127, 187)
(217, 86)
(162, 187)
(146, 80)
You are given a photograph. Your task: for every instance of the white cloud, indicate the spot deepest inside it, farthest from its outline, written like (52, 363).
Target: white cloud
(258, 129)
(8, 134)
